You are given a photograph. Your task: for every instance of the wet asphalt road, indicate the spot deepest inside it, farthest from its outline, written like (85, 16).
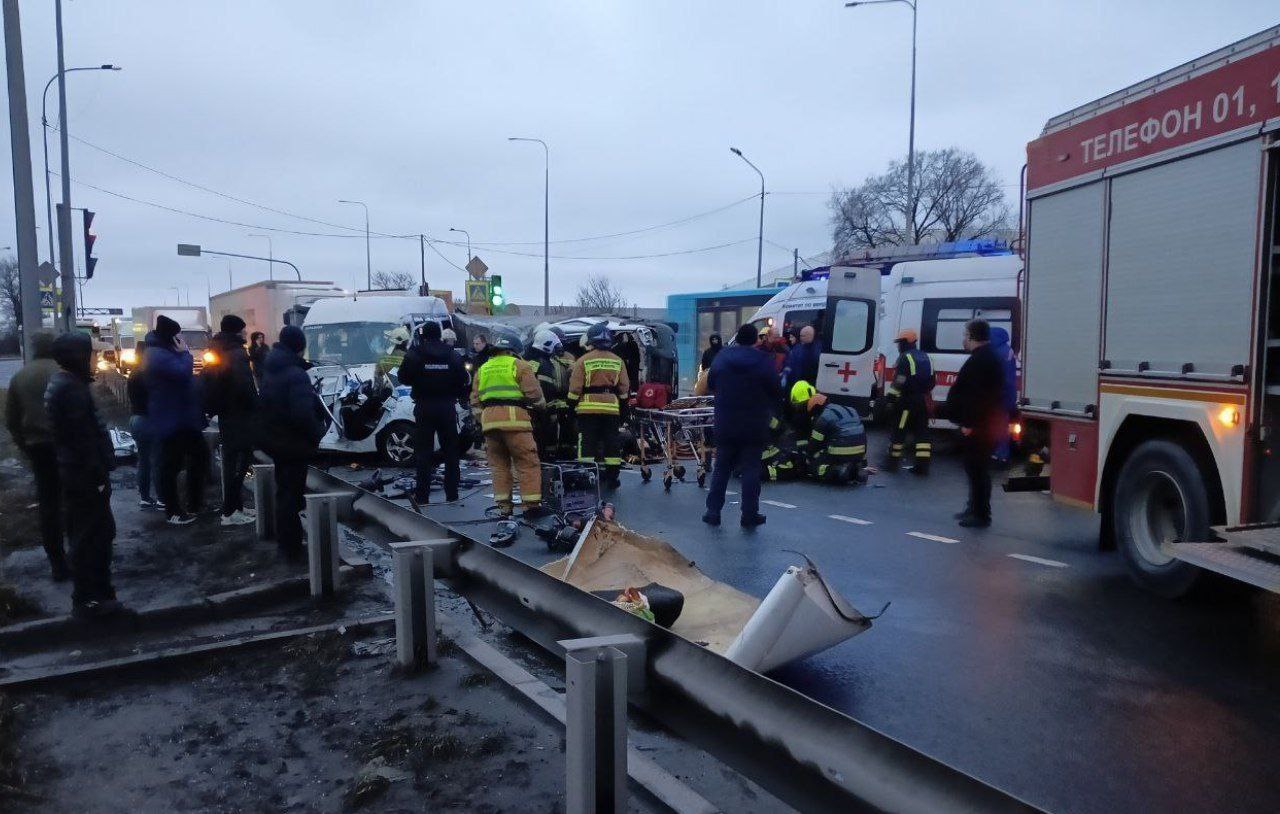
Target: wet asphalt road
(1053, 678)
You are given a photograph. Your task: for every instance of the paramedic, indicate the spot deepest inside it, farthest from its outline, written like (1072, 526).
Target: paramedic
(909, 404)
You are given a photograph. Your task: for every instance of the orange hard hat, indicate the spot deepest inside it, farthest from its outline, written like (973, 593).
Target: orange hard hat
(908, 335)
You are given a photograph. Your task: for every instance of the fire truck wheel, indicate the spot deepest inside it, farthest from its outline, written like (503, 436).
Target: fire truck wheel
(395, 443)
(1160, 497)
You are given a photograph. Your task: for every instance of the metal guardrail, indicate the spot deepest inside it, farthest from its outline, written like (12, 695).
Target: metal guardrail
(807, 754)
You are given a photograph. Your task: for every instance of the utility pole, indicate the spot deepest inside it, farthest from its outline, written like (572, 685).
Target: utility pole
(24, 199)
(795, 263)
(422, 258)
(65, 254)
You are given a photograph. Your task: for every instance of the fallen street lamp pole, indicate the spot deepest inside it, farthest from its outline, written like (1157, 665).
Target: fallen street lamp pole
(193, 250)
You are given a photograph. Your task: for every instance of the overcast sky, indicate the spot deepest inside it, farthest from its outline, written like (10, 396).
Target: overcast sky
(407, 105)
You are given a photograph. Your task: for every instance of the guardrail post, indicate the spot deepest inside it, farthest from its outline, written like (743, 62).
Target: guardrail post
(595, 730)
(413, 566)
(264, 500)
(322, 542)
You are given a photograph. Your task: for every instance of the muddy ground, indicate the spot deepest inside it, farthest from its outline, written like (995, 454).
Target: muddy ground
(310, 726)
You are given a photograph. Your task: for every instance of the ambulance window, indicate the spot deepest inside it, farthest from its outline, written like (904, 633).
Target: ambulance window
(795, 320)
(853, 326)
(943, 320)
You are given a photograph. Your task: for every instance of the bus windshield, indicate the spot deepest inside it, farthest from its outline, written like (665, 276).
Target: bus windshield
(348, 343)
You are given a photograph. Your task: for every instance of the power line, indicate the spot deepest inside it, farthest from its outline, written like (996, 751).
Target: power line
(642, 229)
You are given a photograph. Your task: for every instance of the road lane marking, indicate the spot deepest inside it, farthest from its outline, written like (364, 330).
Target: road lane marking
(933, 537)
(1039, 560)
(854, 520)
(779, 504)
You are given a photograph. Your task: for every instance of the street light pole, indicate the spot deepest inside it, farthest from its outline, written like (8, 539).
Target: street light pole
(271, 252)
(64, 216)
(468, 234)
(546, 223)
(193, 250)
(44, 132)
(368, 254)
(911, 131)
(760, 240)
(24, 204)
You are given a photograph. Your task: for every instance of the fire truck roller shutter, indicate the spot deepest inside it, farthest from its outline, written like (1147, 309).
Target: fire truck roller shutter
(1181, 260)
(1064, 279)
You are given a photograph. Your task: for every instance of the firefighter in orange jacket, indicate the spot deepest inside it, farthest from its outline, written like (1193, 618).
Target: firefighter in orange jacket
(505, 389)
(598, 387)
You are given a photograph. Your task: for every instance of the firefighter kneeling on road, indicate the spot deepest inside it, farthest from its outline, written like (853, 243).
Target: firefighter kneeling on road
(909, 400)
(837, 444)
(504, 392)
(598, 387)
(551, 428)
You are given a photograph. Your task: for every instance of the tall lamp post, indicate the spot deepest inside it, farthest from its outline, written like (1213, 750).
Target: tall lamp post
(368, 254)
(194, 250)
(271, 252)
(468, 234)
(546, 223)
(760, 240)
(44, 127)
(911, 132)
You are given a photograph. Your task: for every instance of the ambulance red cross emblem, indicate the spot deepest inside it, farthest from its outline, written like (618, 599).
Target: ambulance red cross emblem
(845, 372)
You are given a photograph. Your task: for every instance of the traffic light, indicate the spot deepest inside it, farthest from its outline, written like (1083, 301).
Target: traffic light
(89, 237)
(496, 297)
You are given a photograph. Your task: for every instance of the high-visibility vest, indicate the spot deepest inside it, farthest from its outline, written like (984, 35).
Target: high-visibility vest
(502, 402)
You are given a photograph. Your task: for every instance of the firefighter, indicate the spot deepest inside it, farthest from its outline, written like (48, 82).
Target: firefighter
(598, 387)
(837, 444)
(503, 394)
(909, 404)
(553, 377)
(398, 339)
(782, 458)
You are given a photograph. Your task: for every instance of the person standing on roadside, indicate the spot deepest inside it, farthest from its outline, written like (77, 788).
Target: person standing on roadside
(438, 381)
(746, 388)
(975, 404)
(85, 459)
(231, 393)
(258, 349)
(714, 346)
(177, 418)
(802, 360)
(291, 428)
(140, 428)
(29, 425)
(1009, 394)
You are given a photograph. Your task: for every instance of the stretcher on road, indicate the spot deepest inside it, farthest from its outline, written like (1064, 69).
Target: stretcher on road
(802, 614)
(674, 434)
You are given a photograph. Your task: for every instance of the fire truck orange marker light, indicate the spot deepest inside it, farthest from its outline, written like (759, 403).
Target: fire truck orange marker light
(1229, 416)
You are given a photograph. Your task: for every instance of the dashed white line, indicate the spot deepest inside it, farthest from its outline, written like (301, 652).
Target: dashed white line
(933, 537)
(857, 521)
(1039, 560)
(779, 504)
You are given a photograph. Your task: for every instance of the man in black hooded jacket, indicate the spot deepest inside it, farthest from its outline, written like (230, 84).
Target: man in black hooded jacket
(231, 393)
(438, 380)
(85, 459)
(291, 429)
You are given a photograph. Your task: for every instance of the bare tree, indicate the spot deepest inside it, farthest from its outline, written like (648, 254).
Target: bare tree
(957, 197)
(600, 295)
(393, 280)
(10, 291)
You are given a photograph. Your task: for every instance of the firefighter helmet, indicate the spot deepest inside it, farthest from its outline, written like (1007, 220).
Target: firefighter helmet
(599, 335)
(801, 392)
(506, 339)
(546, 341)
(398, 336)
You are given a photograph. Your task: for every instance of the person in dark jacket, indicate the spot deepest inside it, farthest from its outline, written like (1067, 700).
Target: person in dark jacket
(714, 346)
(258, 349)
(628, 350)
(438, 381)
(908, 395)
(292, 425)
(1009, 394)
(29, 425)
(746, 388)
(975, 404)
(177, 419)
(802, 359)
(231, 393)
(140, 428)
(85, 459)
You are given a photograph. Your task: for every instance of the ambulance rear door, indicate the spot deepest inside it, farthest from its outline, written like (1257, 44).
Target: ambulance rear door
(846, 368)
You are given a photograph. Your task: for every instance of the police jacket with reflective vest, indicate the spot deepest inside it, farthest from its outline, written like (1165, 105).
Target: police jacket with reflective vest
(598, 383)
(504, 391)
(913, 375)
(838, 431)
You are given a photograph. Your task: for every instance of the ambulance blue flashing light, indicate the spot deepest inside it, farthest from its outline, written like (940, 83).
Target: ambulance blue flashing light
(887, 257)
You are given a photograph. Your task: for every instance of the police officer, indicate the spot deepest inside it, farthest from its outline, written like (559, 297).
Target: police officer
(837, 442)
(439, 382)
(598, 386)
(504, 392)
(553, 377)
(909, 400)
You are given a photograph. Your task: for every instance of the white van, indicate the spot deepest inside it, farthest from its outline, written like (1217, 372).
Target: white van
(351, 331)
(933, 297)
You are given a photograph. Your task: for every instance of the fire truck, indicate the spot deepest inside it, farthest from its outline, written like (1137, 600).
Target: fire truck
(1151, 320)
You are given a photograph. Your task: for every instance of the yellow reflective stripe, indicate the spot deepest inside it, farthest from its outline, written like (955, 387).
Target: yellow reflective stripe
(574, 396)
(611, 365)
(507, 425)
(532, 497)
(902, 422)
(612, 461)
(859, 449)
(911, 363)
(598, 407)
(817, 436)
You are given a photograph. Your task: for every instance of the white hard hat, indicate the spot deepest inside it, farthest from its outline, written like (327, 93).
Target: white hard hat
(448, 335)
(398, 335)
(546, 341)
